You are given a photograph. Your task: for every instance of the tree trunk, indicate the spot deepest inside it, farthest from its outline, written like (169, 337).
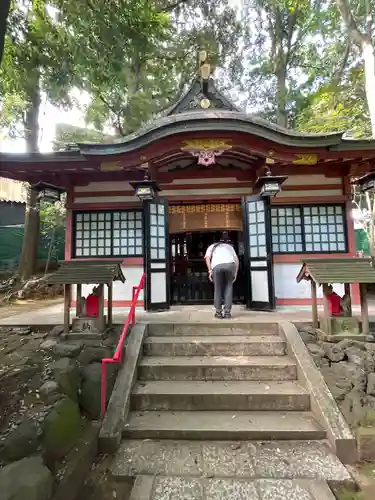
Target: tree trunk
(363, 41)
(50, 247)
(281, 95)
(368, 54)
(4, 12)
(280, 59)
(29, 252)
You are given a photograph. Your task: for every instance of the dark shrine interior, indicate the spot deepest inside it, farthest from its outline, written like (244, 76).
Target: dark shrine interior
(189, 276)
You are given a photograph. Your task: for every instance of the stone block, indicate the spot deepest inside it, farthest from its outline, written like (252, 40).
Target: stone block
(119, 403)
(88, 325)
(323, 404)
(78, 463)
(371, 384)
(366, 443)
(92, 354)
(222, 396)
(342, 324)
(26, 479)
(48, 344)
(219, 368)
(66, 374)
(21, 441)
(66, 349)
(57, 331)
(90, 392)
(62, 429)
(235, 345)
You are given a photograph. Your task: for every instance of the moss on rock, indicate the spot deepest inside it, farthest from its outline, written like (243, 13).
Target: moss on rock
(62, 428)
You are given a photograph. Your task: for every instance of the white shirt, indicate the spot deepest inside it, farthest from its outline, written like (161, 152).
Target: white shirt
(223, 254)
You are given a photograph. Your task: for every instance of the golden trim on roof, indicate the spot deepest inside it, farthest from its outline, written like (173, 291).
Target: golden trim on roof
(206, 144)
(305, 160)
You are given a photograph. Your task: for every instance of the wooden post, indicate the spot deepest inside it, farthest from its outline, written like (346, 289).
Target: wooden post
(109, 304)
(348, 293)
(78, 300)
(67, 297)
(327, 316)
(364, 308)
(314, 304)
(101, 306)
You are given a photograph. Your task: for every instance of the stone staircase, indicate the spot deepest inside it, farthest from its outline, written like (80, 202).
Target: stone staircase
(217, 413)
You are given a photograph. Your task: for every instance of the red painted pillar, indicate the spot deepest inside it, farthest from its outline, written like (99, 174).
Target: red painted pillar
(69, 225)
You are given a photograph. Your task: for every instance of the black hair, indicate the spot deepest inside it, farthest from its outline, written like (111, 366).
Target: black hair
(225, 238)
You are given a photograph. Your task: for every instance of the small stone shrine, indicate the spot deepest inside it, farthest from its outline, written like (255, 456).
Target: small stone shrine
(90, 318)
(337, 321)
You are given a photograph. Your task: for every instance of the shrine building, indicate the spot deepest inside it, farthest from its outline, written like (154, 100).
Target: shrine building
(206, 156)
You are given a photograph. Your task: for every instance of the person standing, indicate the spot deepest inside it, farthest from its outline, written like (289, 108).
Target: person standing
(222, 264)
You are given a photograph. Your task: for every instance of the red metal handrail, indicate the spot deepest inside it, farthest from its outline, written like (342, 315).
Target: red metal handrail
(117, 357)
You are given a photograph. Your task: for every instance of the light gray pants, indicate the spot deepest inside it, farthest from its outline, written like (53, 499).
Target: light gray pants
(223, 276)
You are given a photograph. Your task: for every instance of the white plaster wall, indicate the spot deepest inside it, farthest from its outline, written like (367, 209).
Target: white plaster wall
(286, 286)
(121, 291)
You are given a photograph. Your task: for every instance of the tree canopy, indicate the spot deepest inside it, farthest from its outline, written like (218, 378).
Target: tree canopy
(305, 64)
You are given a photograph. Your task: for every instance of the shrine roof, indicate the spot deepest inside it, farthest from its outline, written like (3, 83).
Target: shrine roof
(75, 272)
(221, 120)
(192, 98)
(341, 270)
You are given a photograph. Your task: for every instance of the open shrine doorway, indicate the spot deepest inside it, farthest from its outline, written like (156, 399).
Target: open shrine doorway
(189, 277)
(192, 228)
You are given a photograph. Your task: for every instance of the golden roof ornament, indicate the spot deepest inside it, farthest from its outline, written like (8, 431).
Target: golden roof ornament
(269, 159)
(205, 73)
(205, 103)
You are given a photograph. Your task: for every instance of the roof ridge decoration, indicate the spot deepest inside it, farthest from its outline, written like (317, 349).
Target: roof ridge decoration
(202, 93)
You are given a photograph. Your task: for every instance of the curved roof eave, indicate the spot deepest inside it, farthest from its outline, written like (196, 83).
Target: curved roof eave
(219, 121)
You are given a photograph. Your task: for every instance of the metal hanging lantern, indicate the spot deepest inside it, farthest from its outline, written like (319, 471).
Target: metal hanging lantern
(145, 190)
(48, 192)
(268, 184)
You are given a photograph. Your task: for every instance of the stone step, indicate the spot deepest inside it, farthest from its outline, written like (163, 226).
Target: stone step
(222, 425)
(171, 488)
(224, 459)
(217, 368)
(218, 328)
(219, 395)
(208, 345)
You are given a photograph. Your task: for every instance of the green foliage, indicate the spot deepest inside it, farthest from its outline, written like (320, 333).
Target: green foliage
(69, 135)
(4, 13)
(335, 108)
(112, 46)
(52, 215)
(36, 60)
(52, 227)
(290, 61)
(136, 57)
(285, 53)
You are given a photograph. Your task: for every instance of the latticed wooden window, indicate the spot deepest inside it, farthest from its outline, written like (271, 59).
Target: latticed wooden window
(157, 232)
(300, 229)
(324, 229)
(286, 229)
(108, 234)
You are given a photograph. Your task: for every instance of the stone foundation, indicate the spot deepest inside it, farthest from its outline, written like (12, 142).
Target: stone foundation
(348, 368)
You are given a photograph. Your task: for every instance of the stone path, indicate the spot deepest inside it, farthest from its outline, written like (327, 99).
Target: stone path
(170, 488)
(218, 413)
(54, 314)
